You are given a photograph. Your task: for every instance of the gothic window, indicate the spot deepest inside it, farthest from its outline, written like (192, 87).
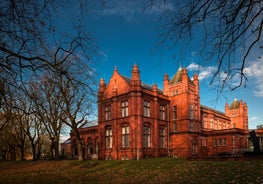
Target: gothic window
(175, 112)
(162, 137)
(108, 112)
(146, 136)
(125, 133)
(146, 108)
(124, 108)
(108, 137)
(162, 112)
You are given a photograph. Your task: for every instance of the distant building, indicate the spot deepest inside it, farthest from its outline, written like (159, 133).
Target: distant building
(136, 120)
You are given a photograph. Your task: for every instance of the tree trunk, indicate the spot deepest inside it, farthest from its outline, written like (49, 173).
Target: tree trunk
(80, 150)
(33, 146)
(56, 149)
(22, 153)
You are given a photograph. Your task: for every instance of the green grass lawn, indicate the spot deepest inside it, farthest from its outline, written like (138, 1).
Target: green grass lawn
(158, 170)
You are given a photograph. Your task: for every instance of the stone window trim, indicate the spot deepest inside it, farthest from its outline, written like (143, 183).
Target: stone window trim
(162, 112)
(147, 108)
(125, 135)
(162, 137)
(108, 137)
(124, 108)
(107, 112)
(147, 135)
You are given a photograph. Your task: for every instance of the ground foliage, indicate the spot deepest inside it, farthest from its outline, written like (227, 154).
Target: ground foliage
(161, 170)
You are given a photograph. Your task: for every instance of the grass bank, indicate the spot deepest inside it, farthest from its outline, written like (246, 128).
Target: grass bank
(158, 170)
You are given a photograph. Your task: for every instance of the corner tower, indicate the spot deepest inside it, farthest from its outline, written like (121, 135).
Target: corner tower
(184, 117)
(238, 113)
(184, 101)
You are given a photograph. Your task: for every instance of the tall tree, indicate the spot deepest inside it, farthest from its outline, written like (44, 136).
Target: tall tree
(230, 30)
(48, 103)
(78, 93)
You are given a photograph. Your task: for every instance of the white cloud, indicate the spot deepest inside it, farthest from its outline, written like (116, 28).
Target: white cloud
(253, 118)
(202, 71)
(193, 67)
(255, 73)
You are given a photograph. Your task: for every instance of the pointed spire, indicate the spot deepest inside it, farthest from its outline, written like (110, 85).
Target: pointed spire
(180, 66)
(102, 85)
(115, 69)
(135, 72)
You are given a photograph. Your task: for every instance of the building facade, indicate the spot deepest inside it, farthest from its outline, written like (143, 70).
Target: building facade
(136, 120)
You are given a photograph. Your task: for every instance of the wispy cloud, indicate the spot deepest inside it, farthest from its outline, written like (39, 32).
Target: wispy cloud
(131, 10)
(203, 71)
(253, 118)
(255, 73)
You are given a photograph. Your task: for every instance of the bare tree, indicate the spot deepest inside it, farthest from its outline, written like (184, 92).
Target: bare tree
(78, 90)
(32, 51)
(230, 30)
(48, 103)
(29, 28)
(32, 127)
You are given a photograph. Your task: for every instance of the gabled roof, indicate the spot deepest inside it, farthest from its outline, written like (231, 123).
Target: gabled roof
(209, 108)
(87, 124)
(144, 85)
(66, 141)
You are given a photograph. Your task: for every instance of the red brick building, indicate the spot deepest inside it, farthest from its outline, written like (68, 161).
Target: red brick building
(136, 120)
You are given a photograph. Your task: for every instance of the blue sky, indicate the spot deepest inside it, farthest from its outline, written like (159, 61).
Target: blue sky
(127, 35)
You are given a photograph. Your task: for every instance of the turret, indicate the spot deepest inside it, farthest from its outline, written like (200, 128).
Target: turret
(196, 83)
(185, 79)
(102, 85)
(237, 112)
(135, 76)
(165, 84)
